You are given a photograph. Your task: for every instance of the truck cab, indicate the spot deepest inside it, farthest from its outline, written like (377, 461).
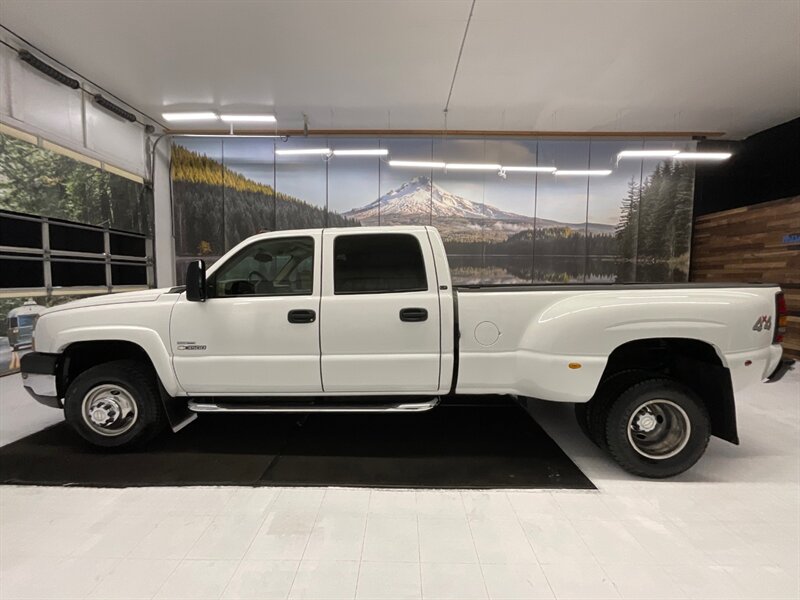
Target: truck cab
(350, 311)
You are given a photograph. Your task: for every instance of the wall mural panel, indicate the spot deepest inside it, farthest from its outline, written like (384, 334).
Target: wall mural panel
(518, 227)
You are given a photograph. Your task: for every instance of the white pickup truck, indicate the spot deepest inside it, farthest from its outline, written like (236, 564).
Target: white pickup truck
(367, 319)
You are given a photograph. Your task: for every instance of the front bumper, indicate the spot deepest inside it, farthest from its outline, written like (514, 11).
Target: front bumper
(783, 367)
(39, 372)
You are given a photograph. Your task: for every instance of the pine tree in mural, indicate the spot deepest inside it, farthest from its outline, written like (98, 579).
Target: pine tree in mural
(655, 221)
(629, 218)
(207, 195)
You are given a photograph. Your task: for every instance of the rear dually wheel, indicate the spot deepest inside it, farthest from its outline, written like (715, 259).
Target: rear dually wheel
(657, 428)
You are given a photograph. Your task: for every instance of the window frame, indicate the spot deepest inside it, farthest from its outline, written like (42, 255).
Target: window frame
(383, 235)
(212, 279)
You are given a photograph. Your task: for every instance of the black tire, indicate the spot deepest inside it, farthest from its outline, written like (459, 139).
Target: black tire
(582, 417)
(607, 392)
(139, 382)
(680, 437)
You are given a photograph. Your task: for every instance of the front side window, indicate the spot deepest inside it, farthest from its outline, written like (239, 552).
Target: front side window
(378, 264)
(273, 267)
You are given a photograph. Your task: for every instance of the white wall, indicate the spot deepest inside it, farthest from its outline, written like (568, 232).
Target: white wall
(33, 102)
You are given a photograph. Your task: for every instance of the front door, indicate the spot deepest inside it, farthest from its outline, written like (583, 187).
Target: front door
(379, 313)
(258, 331)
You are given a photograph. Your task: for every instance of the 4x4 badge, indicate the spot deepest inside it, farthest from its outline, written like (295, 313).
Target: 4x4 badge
(763, 322)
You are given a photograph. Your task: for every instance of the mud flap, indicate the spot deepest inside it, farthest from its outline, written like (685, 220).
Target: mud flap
(713, 384)
(176, 409)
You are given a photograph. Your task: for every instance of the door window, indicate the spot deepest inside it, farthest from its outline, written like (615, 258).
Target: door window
(378, 264)
(272, 267)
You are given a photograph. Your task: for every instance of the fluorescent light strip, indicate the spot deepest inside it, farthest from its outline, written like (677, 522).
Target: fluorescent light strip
(584, 172)
(647, 153)
(416, 163)
(702, 156)
(248, 118)
(365, 152)
(471, 167)
(189, 116)
(528, 169)
(303, 151)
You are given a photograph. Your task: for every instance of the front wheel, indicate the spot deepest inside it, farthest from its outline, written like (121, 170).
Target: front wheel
(115, 404)
(657, 428)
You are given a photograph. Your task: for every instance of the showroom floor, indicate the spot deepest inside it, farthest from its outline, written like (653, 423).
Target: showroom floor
(730, 528)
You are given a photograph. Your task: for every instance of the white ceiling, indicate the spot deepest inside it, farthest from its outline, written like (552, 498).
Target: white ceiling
(731, 66)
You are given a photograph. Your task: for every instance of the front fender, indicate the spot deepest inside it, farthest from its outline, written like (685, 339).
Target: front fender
(147, 339)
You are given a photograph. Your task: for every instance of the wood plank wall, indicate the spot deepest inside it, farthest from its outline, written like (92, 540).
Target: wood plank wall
(748, 245)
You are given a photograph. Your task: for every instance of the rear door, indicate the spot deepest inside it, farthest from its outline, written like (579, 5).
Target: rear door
(379, 313)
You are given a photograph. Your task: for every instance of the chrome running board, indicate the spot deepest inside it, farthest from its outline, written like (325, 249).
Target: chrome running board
(252, 407)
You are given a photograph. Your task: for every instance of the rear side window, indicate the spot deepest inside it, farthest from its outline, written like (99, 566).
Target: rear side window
(378, 264)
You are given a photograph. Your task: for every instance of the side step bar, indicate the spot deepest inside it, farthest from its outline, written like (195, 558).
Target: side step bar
(252, 407)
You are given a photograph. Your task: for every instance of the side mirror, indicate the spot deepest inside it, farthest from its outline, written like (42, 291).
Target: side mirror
(196, 281)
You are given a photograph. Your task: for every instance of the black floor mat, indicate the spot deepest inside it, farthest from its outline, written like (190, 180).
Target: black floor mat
(491, 445)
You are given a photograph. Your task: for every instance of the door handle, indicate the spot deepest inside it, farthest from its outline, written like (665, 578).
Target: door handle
(302, 316)
(413, 315)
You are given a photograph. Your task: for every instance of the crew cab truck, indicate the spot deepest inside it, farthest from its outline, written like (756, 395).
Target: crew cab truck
(367, 319)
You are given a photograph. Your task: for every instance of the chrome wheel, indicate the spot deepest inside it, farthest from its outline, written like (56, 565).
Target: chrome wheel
(109, 409)
(659, 429)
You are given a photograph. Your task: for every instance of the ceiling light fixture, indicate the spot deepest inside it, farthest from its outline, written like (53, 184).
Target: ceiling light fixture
(416, 163)
(647, 154)
(365, 152)
(471, 167)
(584, 172)
(301, 151)
(528, 169)
(190, 116)
(248, 118)
(702, 156)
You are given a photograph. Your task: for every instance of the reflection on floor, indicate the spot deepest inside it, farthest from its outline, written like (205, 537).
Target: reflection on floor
(727, 529)
(21, 415)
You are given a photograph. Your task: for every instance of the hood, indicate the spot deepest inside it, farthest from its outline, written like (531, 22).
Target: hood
(121, 298)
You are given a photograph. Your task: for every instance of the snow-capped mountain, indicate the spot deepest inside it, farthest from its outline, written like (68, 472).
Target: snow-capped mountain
(421, 196)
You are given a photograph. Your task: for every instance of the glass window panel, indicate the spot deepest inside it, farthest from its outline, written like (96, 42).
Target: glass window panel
(21, 272)
(20, 232)
(376, 264)
(127, 274)
(76, 239)
(273, 267)
(68, 273)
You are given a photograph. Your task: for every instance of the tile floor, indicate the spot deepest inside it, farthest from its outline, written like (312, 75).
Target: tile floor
(729, 528)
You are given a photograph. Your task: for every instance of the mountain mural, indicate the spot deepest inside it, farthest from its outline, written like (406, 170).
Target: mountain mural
(417, 199)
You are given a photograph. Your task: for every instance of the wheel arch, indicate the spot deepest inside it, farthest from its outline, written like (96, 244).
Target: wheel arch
(697, 364)
(78, 356)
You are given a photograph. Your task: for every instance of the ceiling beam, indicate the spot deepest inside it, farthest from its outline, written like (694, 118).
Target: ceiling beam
(459, 133)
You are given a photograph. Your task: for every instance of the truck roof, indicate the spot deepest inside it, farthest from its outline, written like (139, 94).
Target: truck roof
(369, 229)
